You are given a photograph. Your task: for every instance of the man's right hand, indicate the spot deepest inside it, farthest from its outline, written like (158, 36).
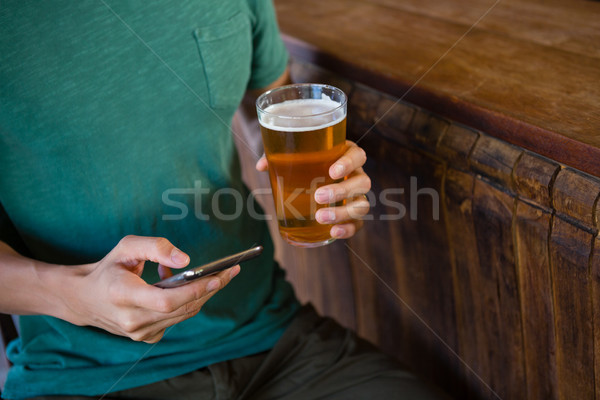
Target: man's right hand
(111, 295)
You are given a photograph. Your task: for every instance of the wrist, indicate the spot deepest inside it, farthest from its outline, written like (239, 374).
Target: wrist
(28, 286)
(57, 288)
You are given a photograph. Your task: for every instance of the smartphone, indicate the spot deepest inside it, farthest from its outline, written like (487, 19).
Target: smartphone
(191, 275)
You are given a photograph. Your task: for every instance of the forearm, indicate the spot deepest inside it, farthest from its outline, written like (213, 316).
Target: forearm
(109, 294)
(28, 286)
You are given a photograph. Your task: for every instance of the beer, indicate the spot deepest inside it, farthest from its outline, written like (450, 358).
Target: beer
(302, 139)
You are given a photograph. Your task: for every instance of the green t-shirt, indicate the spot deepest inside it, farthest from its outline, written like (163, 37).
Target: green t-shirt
(114, 121)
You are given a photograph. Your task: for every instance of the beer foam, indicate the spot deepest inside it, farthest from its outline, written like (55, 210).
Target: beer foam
(299, 115)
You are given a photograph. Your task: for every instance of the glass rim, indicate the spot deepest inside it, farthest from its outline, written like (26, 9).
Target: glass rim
(293, 85)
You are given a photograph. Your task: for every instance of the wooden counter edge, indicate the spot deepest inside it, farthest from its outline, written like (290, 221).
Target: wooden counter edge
(553, 145)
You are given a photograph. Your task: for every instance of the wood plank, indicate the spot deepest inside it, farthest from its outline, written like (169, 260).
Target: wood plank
(456, 145)
(428, 129)
(572, 27)
(393, 118)
(532, 228)
(534, 177)
(373, 112)
(597, 214)
(370, 249)
(404, 256)
(322, 276)
(495, 160)
(479, 83)
(570, 249)
(362, 111)
(422, 265)
(484, 68)
(575, 195)
(492, 218)
(595, 274)
(479, 276)
(362, 255)
(469, 294)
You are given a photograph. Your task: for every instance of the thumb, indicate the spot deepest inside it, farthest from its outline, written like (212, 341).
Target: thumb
(132, 250)
(261, 164)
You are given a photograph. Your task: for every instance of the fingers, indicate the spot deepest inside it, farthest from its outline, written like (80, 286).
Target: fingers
(262, 164)
(131, 250)
(153, 333)
(358, 183)
(155, 338)
(353, 158)
(347, 230)
(130, 306)
(347, 218)
(155, 309)
(353, 210)
(170, 301)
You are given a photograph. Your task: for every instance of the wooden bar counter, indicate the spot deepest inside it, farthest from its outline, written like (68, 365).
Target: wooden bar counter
(480, 264)
(524, 71)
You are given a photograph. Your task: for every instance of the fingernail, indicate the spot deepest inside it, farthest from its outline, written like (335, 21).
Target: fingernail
(325, 216)
(234, 271)
(338, 170)
(213, 285)
(338, 231)
(179, 257)
(324, 196)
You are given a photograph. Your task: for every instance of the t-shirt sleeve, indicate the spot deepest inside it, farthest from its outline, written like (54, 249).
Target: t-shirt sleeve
(270, 57)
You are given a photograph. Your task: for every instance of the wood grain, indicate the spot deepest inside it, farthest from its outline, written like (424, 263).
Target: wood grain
(370, 249)
(456, 145)
(570, 249)
(506, 277)
(532, 228)
(323, 277)
(428, 129)
(534, 176)
(380, 316)
(597, 214)
(471, 307)
(367, 287)
(393, 119)
(534, 20)
(495, 160)
(422, 263)
(492, 218)
(518, 85)
(575, 195)
(362, 112)
(595, 278)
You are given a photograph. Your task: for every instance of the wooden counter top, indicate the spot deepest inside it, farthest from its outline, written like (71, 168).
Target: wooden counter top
(528, 72)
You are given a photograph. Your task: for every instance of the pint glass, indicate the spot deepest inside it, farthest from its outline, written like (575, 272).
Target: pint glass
(304, 132)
